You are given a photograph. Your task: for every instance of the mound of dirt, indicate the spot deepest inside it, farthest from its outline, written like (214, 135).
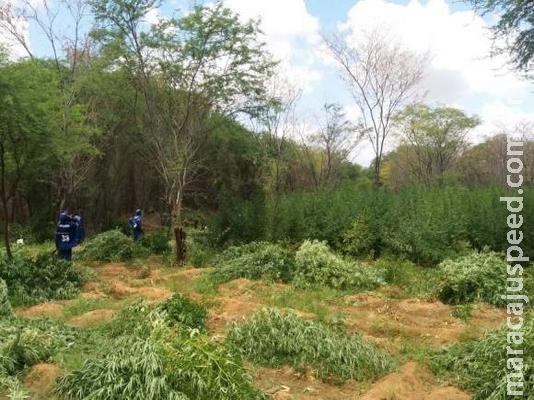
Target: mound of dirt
(116, 271)
(49, 309)
(92, 318)
(412, 382)
(243, 286)
(229, 310)
(285, 383)
(120, 290)
(378, 317)
(40, 379)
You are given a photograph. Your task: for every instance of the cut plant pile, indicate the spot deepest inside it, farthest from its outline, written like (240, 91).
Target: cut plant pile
(233, 305)
(274, 338)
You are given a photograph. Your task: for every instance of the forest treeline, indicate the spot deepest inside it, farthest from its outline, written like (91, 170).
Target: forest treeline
(158, 118)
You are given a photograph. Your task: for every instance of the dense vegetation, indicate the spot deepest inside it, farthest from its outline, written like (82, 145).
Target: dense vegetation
(275, 338)
(184, 119)
(477, 365)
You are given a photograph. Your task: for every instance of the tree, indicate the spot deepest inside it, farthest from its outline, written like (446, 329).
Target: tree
(382, 77)
(70, 54)
(276, 122)
(26, 130)
(337, 138)
(435, 136)
(515, 26)
(186, 70)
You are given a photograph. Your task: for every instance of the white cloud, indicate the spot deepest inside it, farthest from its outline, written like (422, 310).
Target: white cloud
(459, 44)
(153, 16)
(15, 49)
(461, 72)
(290, 34)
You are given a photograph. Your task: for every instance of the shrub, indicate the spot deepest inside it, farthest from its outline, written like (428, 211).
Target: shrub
(255, 260)
(36, 280)
(163, 365)
(479, 365)
(180, 309)
(111, 246)
(274, 338)
(206, 370)
(27, 342)
(5, 306)
(317, 265)
(479, 276)
(200, 252)
(134, 371)
(157, 242)
(360, 239)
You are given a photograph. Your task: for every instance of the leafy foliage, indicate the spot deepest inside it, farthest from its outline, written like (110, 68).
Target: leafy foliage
(274, 338)
(360, 239)
(480, 365)
(44, 278)
(180, 309)
(200, 252)
(27, 342)
(157, 242)
(316, 264)
(134, 371)
(111, 246)
(255, 261)
(479, 276)
(5, 306)
(207, 370)
(150, 360)
(515, 26)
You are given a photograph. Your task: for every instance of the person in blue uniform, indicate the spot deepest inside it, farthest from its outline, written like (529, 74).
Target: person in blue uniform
(65, 235)
(136, 222)
(80, 231)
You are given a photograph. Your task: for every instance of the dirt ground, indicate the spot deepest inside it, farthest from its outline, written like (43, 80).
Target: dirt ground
(387, 321)
(40, 379)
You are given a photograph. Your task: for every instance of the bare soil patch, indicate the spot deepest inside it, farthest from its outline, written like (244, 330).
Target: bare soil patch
(229, 310)
(92, 318)
(120, 290)
(412, 382)
(48, 309)
(40, 379)
(114, 270)
(381, 318)
(285, 384)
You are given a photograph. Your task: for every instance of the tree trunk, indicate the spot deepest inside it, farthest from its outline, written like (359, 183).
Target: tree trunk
(179, 233)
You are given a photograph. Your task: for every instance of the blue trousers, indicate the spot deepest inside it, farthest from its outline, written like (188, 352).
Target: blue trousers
(137, 235)
(66, 254)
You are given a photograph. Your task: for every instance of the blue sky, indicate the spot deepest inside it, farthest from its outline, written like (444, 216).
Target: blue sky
(460, 73)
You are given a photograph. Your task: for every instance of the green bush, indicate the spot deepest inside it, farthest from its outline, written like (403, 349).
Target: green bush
(157, 242)
(36, 280)
(181, 310)
(275, 338)
(361, 239)
(255, 260)
(479, 365)
(200, 251)
(479, 276)
(27, 342)
(317, 265)
(111, 246)
(24, 343)
(5, 306)
(161, 364)
(135, 370)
